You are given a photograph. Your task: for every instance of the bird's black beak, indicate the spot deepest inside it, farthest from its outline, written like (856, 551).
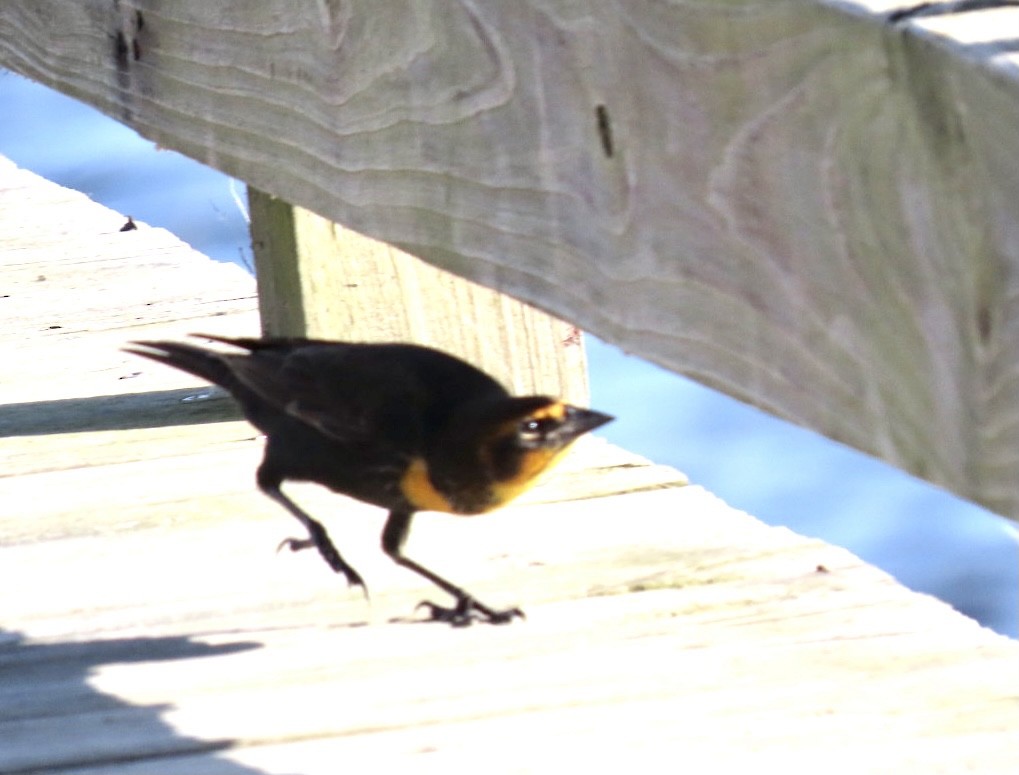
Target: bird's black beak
(580, 421)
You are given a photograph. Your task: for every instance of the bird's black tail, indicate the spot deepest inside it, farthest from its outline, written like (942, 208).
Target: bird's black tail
(200, 361)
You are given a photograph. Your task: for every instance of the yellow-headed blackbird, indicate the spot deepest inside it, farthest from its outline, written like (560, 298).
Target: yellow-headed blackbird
(400, 426)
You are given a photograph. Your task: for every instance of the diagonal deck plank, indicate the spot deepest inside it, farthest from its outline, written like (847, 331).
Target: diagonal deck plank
(149, 627)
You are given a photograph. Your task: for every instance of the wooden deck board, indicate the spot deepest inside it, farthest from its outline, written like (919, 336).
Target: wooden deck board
(148, 626)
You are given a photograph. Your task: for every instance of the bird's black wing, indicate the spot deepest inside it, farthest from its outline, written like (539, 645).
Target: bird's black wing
(353, 393)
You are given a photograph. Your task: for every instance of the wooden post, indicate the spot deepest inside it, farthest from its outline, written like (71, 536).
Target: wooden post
(319, 279)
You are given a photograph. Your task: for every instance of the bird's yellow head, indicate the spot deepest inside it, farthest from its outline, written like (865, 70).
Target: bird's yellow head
(494, 451)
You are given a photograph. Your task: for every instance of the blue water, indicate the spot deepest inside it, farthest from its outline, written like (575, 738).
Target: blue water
(928, 539)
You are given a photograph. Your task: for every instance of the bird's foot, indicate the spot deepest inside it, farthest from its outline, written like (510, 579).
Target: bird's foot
(467, 611)
(329, 554)
(295, 544)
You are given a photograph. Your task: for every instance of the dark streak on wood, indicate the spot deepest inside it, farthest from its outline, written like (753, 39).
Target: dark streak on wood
(604, 130)
(120, 50)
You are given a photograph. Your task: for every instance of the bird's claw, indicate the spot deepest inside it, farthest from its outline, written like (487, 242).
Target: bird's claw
(295, 544)
(467, 611)
(331, 556)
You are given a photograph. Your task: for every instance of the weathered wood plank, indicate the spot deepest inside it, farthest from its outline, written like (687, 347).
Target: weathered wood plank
(316, 278)
(801, 203)
(149, 627)
(736, 629)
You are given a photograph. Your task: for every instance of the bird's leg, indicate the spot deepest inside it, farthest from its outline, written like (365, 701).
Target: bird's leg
(317, 535)
(467, 608)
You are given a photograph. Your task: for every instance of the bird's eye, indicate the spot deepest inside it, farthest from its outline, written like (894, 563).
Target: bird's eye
(533, 431)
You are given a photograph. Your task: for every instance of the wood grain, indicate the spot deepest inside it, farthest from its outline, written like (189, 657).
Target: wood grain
(316, 278)
(803, 204)
(148, 625)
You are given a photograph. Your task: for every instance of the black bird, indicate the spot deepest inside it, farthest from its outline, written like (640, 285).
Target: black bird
(400, 426)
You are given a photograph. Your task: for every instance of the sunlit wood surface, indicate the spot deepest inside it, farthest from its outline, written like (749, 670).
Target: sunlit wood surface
(148, 626)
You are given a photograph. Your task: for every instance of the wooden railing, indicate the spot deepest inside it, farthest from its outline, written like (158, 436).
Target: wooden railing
(809, 205)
